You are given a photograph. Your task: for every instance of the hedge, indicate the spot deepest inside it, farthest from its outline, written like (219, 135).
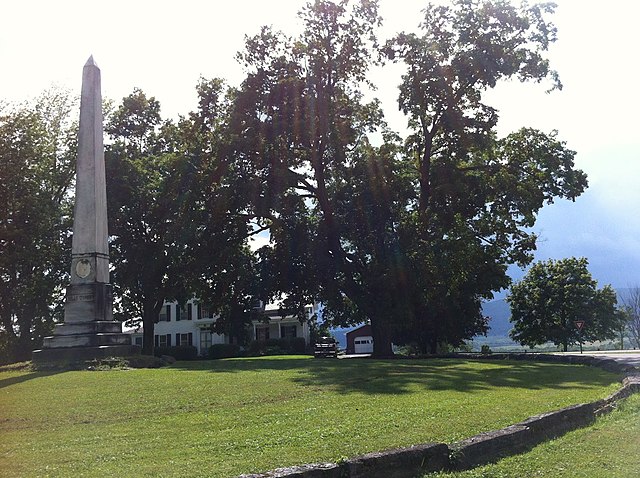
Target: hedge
(217, 351)
(180, 352)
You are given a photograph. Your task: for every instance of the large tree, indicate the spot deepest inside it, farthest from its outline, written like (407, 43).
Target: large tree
(175, 218)
(302, 122)
(412, 239)
(553, 296)
(224, 274)
(148, 189)
(37, 161)
(477, 195)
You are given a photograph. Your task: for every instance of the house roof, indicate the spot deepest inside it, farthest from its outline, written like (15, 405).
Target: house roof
(364, 329)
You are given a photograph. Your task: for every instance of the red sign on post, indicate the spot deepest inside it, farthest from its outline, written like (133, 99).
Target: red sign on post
(579, 324)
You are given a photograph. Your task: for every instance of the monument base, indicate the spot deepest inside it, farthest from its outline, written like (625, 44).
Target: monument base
(81, 354)
(87, 340)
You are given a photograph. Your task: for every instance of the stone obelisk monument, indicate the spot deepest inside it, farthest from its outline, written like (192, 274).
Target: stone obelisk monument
(89, 330)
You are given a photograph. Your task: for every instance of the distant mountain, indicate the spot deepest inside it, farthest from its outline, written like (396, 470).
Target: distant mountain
(499, 312)
(340, 334)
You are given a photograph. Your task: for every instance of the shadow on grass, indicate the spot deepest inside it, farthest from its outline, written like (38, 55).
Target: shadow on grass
(405, 376)
(6, 382)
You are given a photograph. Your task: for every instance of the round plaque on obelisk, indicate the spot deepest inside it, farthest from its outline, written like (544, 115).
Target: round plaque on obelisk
(83, 268)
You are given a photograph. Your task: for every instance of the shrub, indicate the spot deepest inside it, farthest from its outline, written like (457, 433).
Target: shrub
(485, 350)
(179, 352)
(256, 348)
(145, 361)
(274, 350)
(217, 351)
(132, 361)
(295, 345)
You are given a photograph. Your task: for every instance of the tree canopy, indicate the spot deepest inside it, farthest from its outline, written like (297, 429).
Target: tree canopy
(408, 231)
(553, 296)
(174, 216)
(410, 235)
(37, 162)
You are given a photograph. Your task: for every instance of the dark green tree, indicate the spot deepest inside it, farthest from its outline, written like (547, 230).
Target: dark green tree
(302, 126)
(37, 162)
(418, 259)
(225, 274)
(552, 296)
(149, 191)
(177, 225)
(476, 196)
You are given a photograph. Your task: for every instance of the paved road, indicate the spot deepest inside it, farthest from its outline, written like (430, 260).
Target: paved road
(627, 356)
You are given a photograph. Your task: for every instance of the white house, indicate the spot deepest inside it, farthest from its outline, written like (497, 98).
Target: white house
(190, 324)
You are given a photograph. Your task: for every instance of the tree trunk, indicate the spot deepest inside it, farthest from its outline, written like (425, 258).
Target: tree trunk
(148, 343)
(150, 313)
(381, 339)
(433, 345)
(565, 346)
(425, 176)
(24, 343)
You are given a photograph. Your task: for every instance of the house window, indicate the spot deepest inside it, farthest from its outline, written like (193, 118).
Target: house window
(161, 341)
(165, 314)
(288, 331)
(262, 333)
(183, 312)
(205, 341)
(203, 312)
(137, 341)
(184, 339)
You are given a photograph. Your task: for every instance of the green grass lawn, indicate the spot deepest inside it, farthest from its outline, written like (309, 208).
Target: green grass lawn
(608, 449)
(227, 417)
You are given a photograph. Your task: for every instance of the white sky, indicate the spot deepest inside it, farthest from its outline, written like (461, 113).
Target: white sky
(163, 47)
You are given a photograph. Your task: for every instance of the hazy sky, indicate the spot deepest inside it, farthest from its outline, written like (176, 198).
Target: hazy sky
(164, 47)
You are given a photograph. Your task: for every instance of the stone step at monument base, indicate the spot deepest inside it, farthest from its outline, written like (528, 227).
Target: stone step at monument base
(78, 354)
(85, 340)
(89, 327)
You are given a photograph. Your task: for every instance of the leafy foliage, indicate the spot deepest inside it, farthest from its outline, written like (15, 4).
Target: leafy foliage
(301, 126)
(178, 352)
(410, 236)
(37, 162)
(148, 214)
(554, 295)
(171, 208)
(475, 194)
(410, 233)
(217, 351)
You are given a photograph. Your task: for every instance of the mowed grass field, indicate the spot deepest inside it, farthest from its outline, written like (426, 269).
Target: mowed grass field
(608, 449)
(227, 417)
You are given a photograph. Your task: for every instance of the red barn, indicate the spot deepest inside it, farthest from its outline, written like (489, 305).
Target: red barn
(360, 340)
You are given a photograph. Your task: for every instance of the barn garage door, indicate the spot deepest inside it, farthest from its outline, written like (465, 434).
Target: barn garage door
(363, 345)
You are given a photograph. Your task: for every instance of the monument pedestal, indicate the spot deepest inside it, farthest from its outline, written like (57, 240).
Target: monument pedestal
(88, 331)
(81, 354)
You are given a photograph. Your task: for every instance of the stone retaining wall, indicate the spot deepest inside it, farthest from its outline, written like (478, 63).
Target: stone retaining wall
(480, 449)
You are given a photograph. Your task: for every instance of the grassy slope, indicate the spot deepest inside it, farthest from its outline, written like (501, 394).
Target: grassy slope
(608, 449)
(228, 417)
